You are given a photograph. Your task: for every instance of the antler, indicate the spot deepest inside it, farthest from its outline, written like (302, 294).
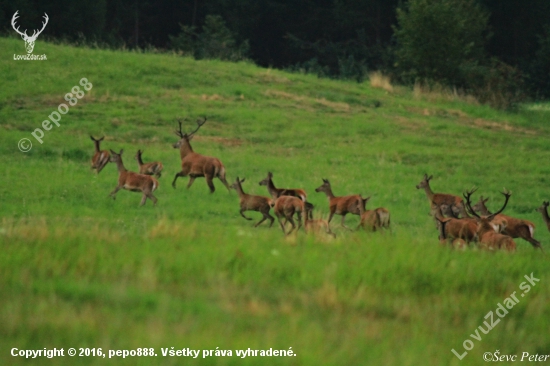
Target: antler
(467, 196)
(506, 194)
(199, 125)
(17, 29)
(35, 34)
(180, 133)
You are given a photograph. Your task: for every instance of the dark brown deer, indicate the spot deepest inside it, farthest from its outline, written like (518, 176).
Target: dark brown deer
(250, 202)
(453, 201)
(196, 165)
(457, 230)
(544, 211)
(511, 226)
(133, 182)
(278, 192)
(488, 237)
(316, 225)
(153, 168)
(100, 158)
(340, 205)
(287, 206)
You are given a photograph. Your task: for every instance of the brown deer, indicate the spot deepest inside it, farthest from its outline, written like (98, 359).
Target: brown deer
(511, 226)
(373, 220)
(455, 202)
(196, 165)
(316, 225)
(133, 181)
(544, 211)
(340, 205)
(488, 237)
(287, 206)
(250, 202)
(457, 230)
(278, 192)
(154, 168)
(457, 243)
(100, 158)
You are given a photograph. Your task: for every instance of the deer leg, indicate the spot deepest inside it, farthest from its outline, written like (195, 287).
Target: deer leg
(180, 174)
(210, 183)
(343, 221)
(242, 214)
(299, 220)
(332, 211)
(152, 198)
(114, 192)
(222, 178)
(143, 199)
(291, 220)
(281, 223)
(191, 180)
(267, 215)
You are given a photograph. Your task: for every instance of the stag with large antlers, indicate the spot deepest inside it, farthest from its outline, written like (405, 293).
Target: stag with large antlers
(153, 168)
(511, 226)
(132, 181)
(196, 165)
(340, 205)
(455, 202)
(101, 157)
(29, 40)
(488, 237)
(456, 230)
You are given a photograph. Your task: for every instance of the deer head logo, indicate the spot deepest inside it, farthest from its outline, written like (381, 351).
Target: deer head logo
(29, 41)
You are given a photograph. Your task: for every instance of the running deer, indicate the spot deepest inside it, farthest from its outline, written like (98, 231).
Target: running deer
(278, 192)
(457, 230)
(316, 225)
(250, 202)
(196, 165)
(488, 237)
(133, 181)
(441, 198)
(340, 205)
(544, 211)
(511, 226)
(287, 206)
(100, 158)
(154, 168)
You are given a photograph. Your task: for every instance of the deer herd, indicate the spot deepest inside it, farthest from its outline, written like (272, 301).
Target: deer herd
(459, 222)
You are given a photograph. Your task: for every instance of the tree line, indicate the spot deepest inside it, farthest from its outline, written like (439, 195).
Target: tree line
(479, 46)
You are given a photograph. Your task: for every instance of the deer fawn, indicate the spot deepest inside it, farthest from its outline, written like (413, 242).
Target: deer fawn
(154, 168)
(544, 211)
(278, 192)
(340, 205)
(250, 202)
(100, 158)
(511, 226)
(373, 219)
(455, 202)
(287, 206)
(196, 165)
(316, 225)
(488, 237)
(132, 181)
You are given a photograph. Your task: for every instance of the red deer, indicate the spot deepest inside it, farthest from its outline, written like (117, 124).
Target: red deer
(488, 237)
(133, 181)
(544, 211)
(278, 192)
(154, 168)
(250, 202)
(511, 226)
(196, 165)
(316, 225)
(287, 206)
(457, 243)
(373, 220)
(457, 230)
(340, 205)
(100, 158)
(441, 198)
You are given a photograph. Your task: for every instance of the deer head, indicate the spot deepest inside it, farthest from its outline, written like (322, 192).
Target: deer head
(186, 137)
(484, 221)
(29, 40)
(424, 183)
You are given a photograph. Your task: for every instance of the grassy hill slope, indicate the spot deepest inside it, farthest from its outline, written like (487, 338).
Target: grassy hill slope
(78, 269)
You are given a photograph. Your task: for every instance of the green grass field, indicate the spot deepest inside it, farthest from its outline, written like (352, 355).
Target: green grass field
(78, 269)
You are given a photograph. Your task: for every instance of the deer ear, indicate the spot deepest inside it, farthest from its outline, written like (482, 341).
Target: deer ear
(101, 139)
(269, 174)
(92, 138)
(430, 178)
(112, 152)
(121, 151)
